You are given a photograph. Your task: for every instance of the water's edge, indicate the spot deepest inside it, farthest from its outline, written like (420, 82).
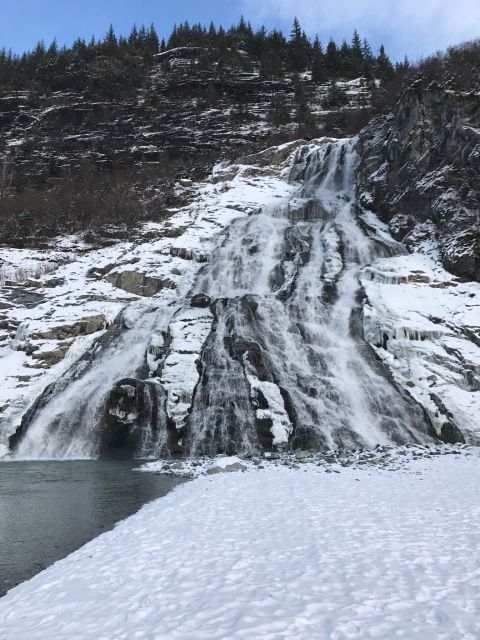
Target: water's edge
(50, 509)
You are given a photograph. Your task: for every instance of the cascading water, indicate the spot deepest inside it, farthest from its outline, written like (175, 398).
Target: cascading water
(70, 419)
(273, 363)
(286, 285)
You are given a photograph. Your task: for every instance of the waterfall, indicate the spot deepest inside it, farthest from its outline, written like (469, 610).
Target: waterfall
(275, 363)
(71, 418)
(286, 289)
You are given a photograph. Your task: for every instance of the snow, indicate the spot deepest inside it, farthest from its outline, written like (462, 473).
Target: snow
(430, 318)
(276, 554)
(188, 331)
(275, 411)
(224, 462)
(420, 320)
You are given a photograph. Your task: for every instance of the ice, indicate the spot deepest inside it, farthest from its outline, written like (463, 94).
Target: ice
(187, 331)
(275, 411)
(422, 323)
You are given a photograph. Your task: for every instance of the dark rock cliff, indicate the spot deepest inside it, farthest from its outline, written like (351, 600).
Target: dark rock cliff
(420, 169)
(181, 105)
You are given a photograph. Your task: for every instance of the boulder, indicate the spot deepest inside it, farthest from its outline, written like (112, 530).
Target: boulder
(451, 434)
(138, 283)
(201, 300)
(226, 465)
(49, 358)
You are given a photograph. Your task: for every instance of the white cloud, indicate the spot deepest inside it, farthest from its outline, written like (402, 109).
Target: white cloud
(417, 27)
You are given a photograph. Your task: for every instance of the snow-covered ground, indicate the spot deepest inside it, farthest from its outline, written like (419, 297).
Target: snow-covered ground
(278, 554)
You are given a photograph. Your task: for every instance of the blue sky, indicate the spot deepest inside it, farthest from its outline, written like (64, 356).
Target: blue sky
(416, 27)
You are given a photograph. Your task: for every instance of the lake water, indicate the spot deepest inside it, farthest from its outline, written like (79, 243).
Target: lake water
(49, 509)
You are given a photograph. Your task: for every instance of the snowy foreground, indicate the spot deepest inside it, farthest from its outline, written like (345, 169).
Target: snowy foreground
(276, 553)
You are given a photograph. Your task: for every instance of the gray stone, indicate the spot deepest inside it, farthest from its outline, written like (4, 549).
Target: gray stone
(302, 455)
(229, 468)
(451, 434)
(201, 300)
(138, 283)
(419, 170)
(83, 327)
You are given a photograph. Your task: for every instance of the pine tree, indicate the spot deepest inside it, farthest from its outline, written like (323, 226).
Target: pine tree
(303, 113)
(368, 60)
(267, 66)
(319, 72)
(110, 42)
(332, 62)
(152, 43)
(52, 52)
(276, 46)
(345, 66)
(133, 37)
(336, 97)
(356, 55)
(278, 113)
(384, 67)
(39, 52)
(298, 48)
(212, 35)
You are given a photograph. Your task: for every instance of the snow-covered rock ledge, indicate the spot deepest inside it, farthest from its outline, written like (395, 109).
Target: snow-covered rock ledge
(281, 553)
(424, 324)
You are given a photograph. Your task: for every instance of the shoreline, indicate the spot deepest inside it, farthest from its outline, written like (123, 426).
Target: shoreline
(276, 553)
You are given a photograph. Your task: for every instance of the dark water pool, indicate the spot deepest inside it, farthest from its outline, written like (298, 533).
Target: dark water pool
(49, 509)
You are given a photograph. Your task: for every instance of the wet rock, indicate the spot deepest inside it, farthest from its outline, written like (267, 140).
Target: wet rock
(201, 300)
(451, 434)
(131, 405)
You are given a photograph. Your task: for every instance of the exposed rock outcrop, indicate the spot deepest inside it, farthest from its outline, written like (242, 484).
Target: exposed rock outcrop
(419, 169)
(83, 327)
(138, 283)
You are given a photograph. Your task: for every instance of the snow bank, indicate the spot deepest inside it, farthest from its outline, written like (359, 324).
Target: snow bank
(277, 554)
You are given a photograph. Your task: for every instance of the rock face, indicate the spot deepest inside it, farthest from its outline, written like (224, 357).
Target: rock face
(133, 408)
(419, 169)
(178, 108)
